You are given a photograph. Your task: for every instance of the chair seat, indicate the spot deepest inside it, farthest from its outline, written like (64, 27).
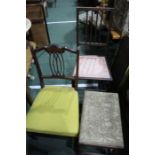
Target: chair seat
(93, 67)
(54, 111)
(101, 120)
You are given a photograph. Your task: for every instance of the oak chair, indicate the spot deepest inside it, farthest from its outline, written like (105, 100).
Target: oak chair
(55, 110)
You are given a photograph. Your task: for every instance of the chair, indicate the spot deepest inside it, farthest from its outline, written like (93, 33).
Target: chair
(55, 110)
(93, 31)
(39, 31)
(101, 124)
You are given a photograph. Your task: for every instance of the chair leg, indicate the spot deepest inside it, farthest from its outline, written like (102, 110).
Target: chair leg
(74, 144)
(114, 152)
(74, 84)
(28, 98)
(102, 85)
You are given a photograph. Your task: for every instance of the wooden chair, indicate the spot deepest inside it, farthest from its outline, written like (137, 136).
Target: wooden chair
(55, 110)
(93, 30)
(101, 124)
(39, 31)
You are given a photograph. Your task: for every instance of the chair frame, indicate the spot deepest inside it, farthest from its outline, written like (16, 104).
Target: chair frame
(55, 50)
(57, 71)
(90, 42)
(42, 19)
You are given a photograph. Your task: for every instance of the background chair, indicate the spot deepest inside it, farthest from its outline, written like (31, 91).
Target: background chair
(93, 31)
(101, 125)
(55, 110)
(39, 31)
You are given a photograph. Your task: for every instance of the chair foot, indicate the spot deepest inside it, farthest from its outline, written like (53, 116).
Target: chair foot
(74, 84)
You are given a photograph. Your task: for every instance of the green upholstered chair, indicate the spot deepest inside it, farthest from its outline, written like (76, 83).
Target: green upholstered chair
(55, 110)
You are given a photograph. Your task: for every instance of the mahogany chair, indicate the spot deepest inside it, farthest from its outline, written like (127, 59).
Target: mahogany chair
(39, 31)
(101, 125)
(55, 110)
(93, 31)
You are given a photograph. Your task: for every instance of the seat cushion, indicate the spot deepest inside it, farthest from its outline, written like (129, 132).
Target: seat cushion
(55, 111)
(101, 120)
(93, 67)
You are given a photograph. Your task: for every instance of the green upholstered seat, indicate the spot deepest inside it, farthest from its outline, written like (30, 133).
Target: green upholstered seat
(55, 111)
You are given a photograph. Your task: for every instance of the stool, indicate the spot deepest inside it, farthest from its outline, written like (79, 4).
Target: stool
(101, 121)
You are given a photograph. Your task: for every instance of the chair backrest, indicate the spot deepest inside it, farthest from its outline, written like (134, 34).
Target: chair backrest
(57, 60)
(93, 28)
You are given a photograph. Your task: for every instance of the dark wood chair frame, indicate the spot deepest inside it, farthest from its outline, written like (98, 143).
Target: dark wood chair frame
(97, 42)
(57, 68)
(39, 4)
(99, 11)
(107, 150)
(56, 64)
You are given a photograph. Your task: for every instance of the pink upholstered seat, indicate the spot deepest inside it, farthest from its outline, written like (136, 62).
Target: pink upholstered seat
(93, 67)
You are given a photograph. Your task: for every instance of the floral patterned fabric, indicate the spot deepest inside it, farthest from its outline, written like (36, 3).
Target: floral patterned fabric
(101, 121)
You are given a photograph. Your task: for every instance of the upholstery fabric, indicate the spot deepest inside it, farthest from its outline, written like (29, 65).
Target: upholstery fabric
(101, 120)
(93, 67)
(54, 111)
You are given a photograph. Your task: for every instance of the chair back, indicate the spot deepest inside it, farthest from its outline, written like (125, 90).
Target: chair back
(56, 63)
(93, 28)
